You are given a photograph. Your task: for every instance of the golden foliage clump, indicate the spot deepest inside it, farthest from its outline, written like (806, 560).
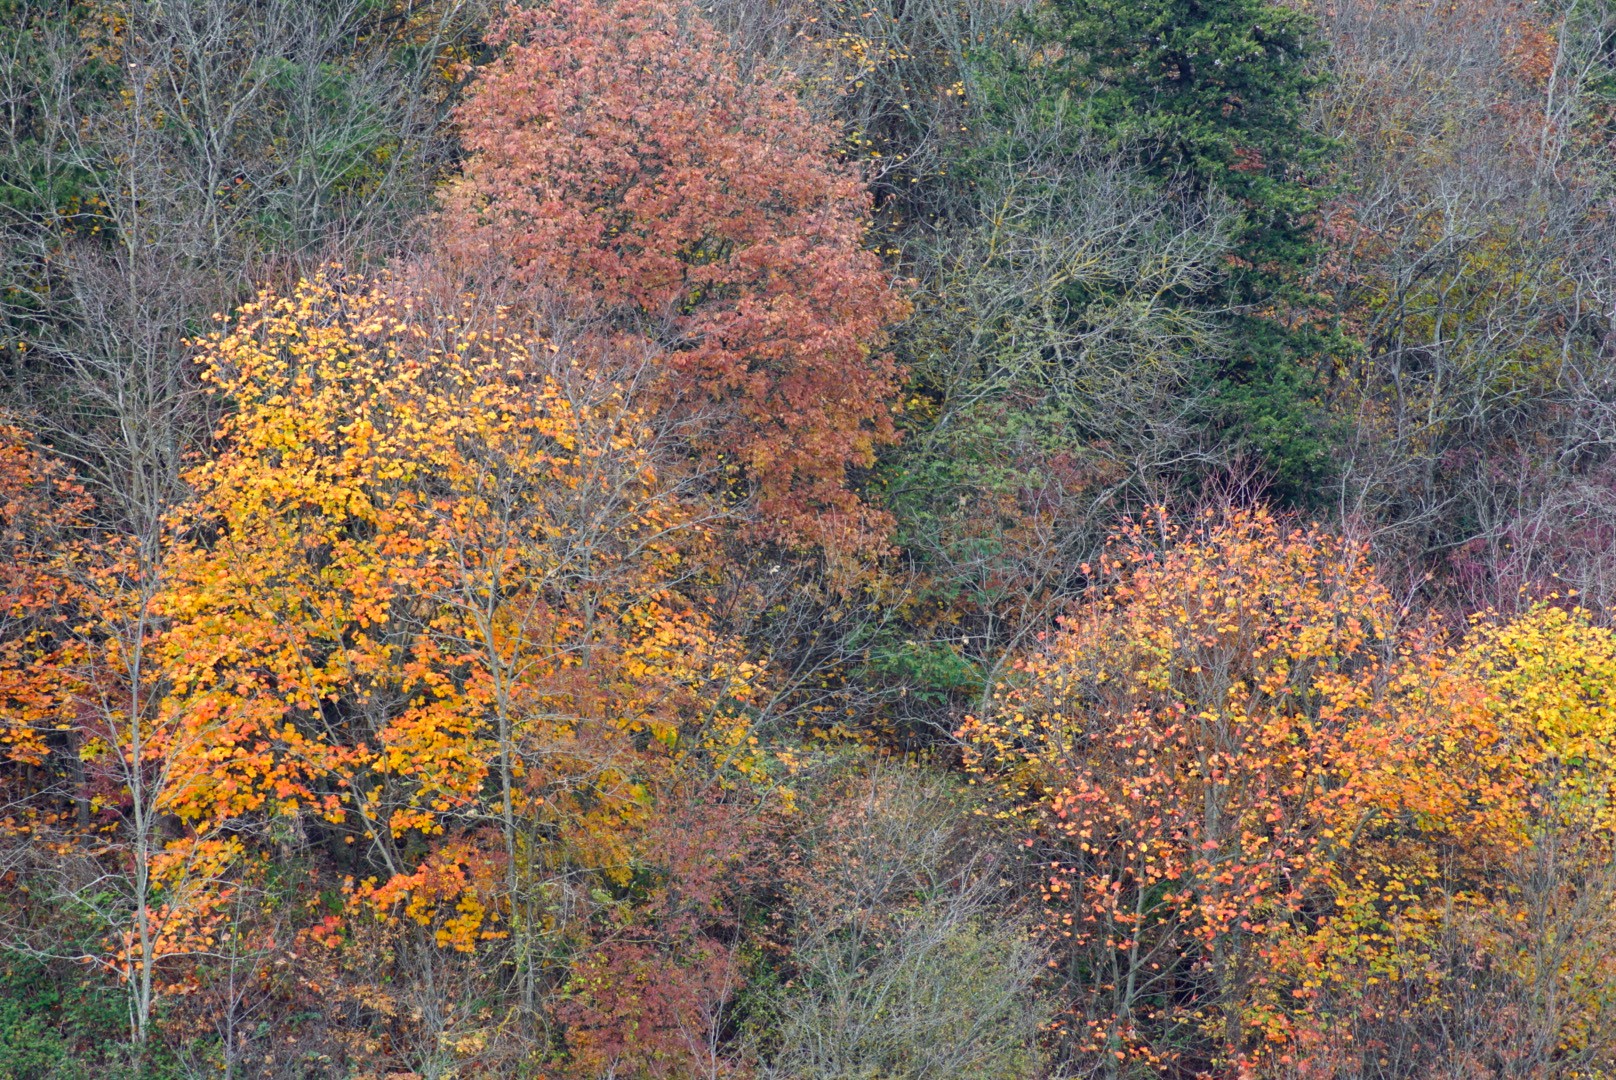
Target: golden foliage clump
(426, 595)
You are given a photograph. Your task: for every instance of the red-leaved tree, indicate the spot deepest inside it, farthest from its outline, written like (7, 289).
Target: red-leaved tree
(617, 154)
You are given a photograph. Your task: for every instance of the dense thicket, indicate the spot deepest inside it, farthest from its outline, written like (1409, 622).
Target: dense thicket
(807, 539)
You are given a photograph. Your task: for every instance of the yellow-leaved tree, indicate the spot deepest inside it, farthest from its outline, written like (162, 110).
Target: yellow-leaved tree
(431, 606)
(1549, 678)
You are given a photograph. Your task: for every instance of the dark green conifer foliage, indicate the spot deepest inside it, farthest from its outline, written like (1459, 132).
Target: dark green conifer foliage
(1208, 94)
(1208, 97)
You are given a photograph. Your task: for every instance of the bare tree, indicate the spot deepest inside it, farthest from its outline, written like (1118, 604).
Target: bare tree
(161, 158)
(1468, 252)
(905, 961)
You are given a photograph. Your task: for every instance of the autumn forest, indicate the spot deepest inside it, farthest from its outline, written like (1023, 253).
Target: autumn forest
(808, 539)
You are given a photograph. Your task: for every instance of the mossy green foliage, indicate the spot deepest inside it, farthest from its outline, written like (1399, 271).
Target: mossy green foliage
(59, 1023)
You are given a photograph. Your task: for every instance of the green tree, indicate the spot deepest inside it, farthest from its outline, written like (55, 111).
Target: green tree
(1207, 98)
(1205, 94)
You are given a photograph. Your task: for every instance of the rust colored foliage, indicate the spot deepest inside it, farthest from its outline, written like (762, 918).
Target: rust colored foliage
(1170, 745)
(1251, 789)
(646, 992)
(42, 508)
(616, 153)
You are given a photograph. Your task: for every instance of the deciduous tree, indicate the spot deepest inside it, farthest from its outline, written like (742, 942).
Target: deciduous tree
(616, 153)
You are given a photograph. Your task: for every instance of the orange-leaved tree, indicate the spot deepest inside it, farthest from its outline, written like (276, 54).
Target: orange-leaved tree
(1245, 783)
(42, 511)
(426, 606)
(617, 153)
(1473, 915)
(86, 762)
